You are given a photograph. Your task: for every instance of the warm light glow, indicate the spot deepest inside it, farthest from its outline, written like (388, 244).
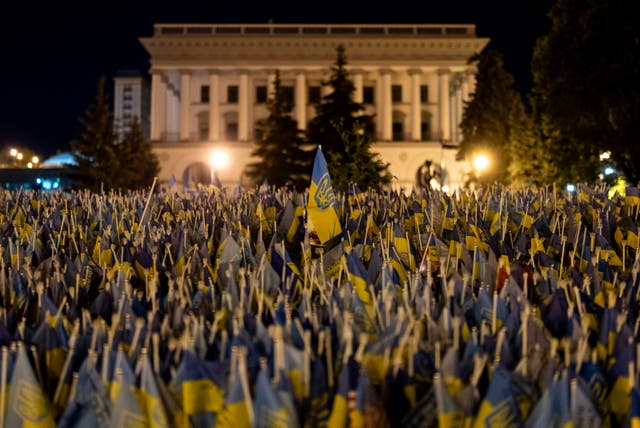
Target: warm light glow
(605, 156)
(35, 159)
(29, 165)
(19, 156)
(571, 188)
(13, 152)
(219, 159)
(480, 162)
(445, 188)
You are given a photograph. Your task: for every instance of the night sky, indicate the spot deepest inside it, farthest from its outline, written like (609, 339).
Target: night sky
(53, 54)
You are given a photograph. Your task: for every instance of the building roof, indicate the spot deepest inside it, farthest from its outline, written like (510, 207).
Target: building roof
(59, 160)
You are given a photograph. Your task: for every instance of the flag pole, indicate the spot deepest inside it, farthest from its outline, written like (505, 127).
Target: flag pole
(3, 382)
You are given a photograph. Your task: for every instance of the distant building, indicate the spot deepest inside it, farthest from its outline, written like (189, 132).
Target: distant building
(210, 83)
(131, 98)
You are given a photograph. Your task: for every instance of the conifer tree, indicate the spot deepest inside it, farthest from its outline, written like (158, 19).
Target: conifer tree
(345, 134)
(282, 160)
(138, 164)
(95, 150)
(586, 72)
(492, 117)
(357, 164)
(337, 111)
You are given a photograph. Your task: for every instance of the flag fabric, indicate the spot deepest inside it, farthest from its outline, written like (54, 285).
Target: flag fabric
(27, 406)
(632, 196)
(199, 387)
(321, 206)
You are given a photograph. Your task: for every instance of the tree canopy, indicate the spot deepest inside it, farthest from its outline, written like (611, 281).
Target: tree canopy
(282, 159)
(492, 117)
(586, 72)
(344, 133)
(103, 161)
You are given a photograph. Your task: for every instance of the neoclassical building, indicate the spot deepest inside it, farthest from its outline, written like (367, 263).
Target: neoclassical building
(210, 83)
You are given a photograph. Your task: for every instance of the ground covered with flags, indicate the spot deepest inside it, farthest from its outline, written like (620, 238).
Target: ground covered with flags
(274, 308)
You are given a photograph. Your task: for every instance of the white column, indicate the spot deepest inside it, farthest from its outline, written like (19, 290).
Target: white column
(158, 106)
(214, 105)
(471, 80)
(416, 110)
(243, 106)
(185, 104)
(386, 102)
(444, 104)
(464, 88)
(301, 99)
(357, 83)
(271, 81)
(458, 104)
(379, 108)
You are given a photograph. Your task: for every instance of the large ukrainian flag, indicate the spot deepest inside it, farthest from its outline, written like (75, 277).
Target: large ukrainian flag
(321, 206)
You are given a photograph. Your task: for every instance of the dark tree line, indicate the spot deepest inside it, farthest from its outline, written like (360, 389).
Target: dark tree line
(585, 100)
(104, 160)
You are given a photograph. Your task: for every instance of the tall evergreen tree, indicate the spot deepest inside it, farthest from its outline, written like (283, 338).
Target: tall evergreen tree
(282, 159)
(95, 150)
(586, 72)
(492, 116)
(357, 164)
(337, 111)
(138, 164)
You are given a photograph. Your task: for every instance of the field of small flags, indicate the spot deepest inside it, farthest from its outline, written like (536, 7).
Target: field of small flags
(272, 308)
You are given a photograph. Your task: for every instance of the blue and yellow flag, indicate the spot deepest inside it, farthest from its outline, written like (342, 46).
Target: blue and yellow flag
(199, 386)
(321, 206)
(28, 406)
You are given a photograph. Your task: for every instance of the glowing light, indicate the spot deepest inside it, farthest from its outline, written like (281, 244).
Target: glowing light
(480, 162)
(19, 156)
(605, 156)
(35, 160)
(219, 159)
(445, 188)
(13, 152)
(29, 165)
(608, 170)
(571, 188)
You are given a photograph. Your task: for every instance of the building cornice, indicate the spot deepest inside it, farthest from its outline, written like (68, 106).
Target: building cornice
(309, 49)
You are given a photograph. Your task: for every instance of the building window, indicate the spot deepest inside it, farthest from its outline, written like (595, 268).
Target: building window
(398, 131)
(314, 94)
(232, 132)
(261, 94)
(232, 94)
(204, 93)
(368, 95)
(424, 94)
(287, 94)
(425, 131)
(396, 93)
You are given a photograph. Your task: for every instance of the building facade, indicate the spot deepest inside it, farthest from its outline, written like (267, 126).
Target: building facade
(131, 98)
(210, 83)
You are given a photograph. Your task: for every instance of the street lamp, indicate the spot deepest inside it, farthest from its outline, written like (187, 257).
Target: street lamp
(218, 159)
(480, 162)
